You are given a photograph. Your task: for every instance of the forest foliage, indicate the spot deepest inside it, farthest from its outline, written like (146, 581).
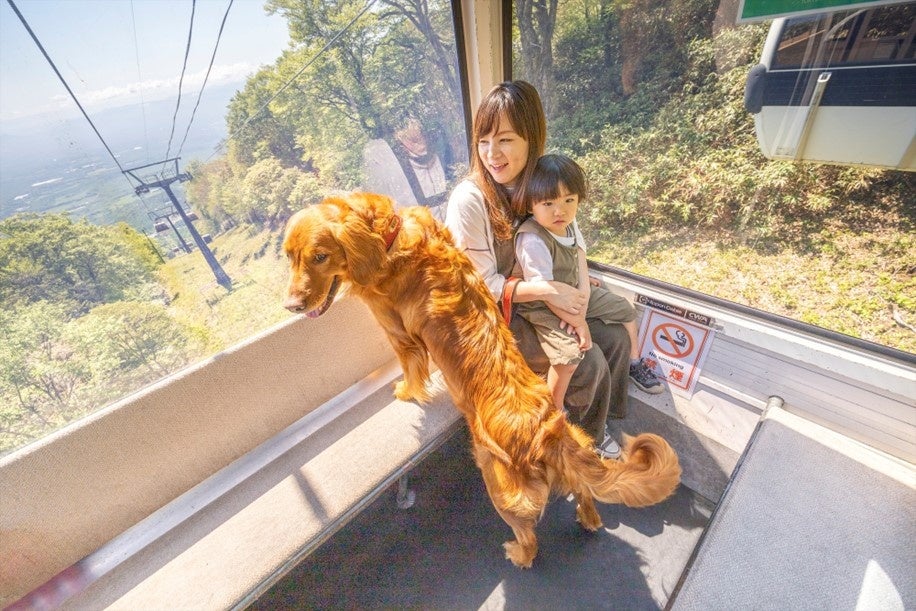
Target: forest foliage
(646, 94)
(83, 318)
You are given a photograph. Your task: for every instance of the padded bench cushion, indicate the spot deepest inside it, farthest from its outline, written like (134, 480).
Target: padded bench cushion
(255, 531)
(811, 520)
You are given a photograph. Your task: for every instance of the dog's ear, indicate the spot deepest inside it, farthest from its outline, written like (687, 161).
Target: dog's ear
(364, 249)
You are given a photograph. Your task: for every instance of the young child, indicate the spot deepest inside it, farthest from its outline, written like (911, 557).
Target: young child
(546, 248)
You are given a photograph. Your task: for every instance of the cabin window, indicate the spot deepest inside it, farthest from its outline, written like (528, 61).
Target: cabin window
(648, 98)
(104, 290)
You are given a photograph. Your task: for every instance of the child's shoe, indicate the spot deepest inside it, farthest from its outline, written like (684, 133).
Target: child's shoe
(644, 378)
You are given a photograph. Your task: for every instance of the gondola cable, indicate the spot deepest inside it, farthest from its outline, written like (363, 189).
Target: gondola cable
(206, 77)
(184, 66)
(133, 22)
(290, 81)
(66, 86)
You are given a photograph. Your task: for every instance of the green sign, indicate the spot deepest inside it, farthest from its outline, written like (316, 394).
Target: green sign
(761, 10)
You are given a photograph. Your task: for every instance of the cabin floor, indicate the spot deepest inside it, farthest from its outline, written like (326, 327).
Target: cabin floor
(445, 552)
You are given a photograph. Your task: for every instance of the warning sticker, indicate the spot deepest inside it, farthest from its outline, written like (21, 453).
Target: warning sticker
(674, 348)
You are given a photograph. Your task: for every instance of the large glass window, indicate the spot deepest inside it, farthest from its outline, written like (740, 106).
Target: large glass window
(110, 281)
(648, 97)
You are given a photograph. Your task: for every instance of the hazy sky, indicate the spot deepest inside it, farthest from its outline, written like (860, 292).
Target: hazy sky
(124, 52)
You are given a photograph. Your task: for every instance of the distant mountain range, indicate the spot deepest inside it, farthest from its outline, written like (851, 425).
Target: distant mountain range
(51, 163)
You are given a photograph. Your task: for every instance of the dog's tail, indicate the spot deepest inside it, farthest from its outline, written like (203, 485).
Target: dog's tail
(647, 473)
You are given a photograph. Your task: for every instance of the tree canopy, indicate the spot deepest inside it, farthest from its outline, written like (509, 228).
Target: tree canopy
(52, 258)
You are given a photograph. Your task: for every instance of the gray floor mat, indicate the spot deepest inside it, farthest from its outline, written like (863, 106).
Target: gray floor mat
(446, 552)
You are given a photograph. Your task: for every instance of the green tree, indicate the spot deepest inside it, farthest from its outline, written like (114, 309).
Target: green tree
(216, 190)
(256, 131)
(52, 258)
(272, 192)
(344, 81)
(39, 373)
(126, 336)
(536, 20)
(619, 62)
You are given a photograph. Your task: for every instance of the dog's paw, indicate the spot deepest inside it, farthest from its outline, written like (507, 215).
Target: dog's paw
(405, 393)
(519, 556)
(400, 391)
(588, 517)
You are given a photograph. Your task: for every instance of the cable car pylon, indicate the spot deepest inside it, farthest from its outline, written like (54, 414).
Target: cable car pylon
(164, 182)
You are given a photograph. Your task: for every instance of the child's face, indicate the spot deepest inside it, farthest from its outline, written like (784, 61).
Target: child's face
(558, 213)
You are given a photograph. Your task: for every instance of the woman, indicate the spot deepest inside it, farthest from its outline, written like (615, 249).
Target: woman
(483, 212)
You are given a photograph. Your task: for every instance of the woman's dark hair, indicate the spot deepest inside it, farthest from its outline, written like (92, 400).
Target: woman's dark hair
(549, 172)
(520, 103)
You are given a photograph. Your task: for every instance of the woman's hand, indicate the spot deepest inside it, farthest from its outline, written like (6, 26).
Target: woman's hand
(566, 298)
(574, 325)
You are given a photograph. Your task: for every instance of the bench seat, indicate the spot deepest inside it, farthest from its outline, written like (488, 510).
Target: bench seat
(228, 539)
(811, 519)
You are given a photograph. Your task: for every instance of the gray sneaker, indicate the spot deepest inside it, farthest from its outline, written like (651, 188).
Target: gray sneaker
(645, 379)
(608, 448)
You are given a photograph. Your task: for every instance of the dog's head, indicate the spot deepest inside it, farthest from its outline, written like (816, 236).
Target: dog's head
(339, 240)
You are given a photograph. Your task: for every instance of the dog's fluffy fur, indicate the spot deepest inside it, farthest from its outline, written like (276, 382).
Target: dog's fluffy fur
(431, 302)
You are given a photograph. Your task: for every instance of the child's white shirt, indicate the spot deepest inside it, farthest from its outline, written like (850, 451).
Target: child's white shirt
(533, 256)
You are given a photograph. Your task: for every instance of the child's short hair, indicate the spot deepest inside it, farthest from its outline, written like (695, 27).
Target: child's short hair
(549, 172)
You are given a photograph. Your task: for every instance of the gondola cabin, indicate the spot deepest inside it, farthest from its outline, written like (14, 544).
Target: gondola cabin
(838, 88)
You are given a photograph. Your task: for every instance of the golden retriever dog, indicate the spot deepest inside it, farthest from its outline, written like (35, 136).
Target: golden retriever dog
(432, 302)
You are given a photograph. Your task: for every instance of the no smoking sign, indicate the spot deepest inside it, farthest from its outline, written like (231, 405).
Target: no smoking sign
(672, 339)
(674, 347)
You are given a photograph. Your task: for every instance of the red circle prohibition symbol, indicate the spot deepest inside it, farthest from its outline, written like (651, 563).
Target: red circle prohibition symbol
(672, 340)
